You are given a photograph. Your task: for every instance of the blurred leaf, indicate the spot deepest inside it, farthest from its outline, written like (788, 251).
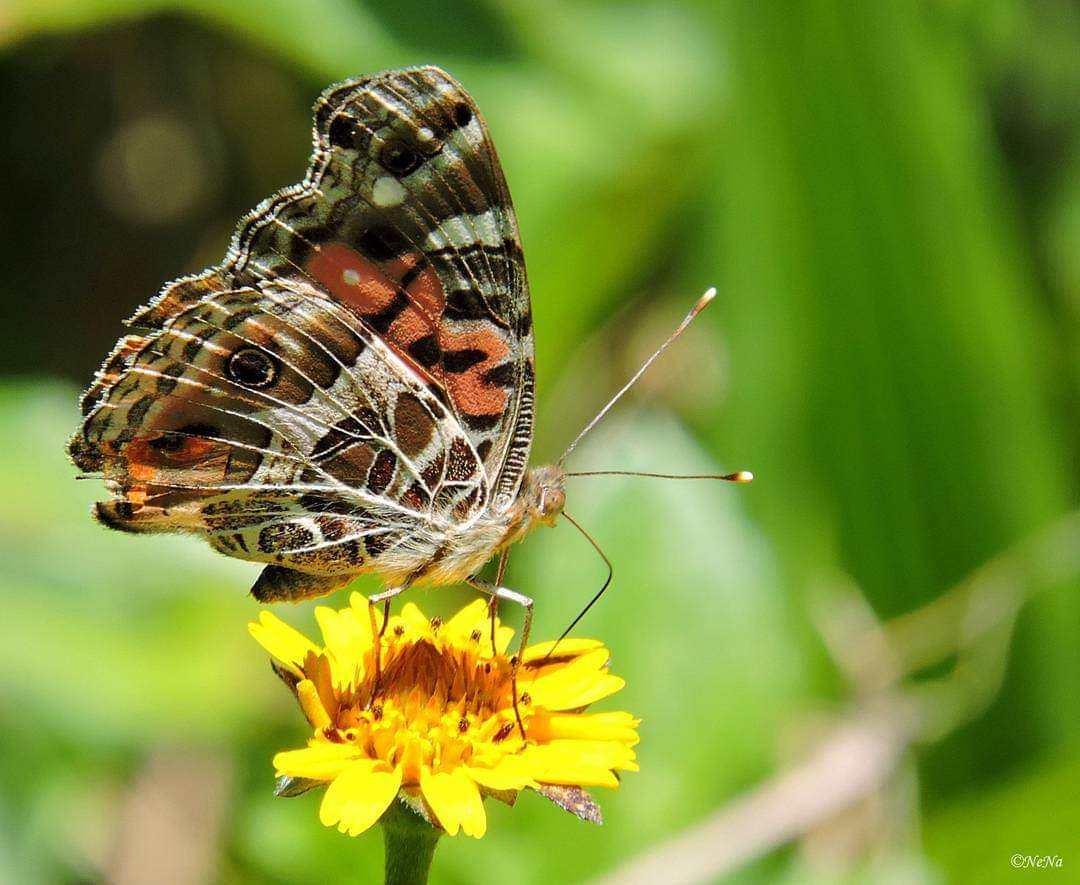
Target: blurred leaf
(135, 638)
(1035, 813)
(324, 36)
(891, 360)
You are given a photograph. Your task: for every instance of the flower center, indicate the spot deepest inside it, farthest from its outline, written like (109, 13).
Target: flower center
(432, 707)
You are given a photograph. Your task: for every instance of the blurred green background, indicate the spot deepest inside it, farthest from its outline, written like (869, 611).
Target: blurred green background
(887, 196)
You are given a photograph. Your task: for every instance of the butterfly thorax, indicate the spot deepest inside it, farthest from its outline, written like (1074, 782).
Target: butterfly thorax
(539, 501)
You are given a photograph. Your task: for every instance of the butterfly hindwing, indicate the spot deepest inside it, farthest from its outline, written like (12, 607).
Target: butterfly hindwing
(274, 423)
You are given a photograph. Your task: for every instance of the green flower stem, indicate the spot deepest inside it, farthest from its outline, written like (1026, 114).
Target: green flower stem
(410, 844)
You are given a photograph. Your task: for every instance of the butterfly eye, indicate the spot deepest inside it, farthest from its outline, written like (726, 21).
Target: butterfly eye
(252, 368)
(398, 158)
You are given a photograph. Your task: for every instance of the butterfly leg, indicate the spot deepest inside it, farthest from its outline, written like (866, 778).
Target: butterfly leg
(385, 598)
(496, 593)
(493, 605)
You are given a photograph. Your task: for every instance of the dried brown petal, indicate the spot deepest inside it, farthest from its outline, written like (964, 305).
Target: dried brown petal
(507, 797)
(573, 799)
(287, 787)
(290, 679)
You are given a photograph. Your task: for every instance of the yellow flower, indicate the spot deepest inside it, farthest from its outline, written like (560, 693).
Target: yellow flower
(438, 725)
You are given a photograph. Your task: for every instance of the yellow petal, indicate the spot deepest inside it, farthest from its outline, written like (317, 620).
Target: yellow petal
(370, 615)
(620, 727)
(592, 661)
(602, 686)
(322, 760)
(567, 648)
(475, 618)
(577, 684)
(407, 628)
(470, 618)
(454, 798)
(503, 635)
(575, 775)
(358, 796)
(581, 763)
(414, 621)
(312, 705)
(602, 754)
(510, 773)
(283, 642)
(348, 639)
(412, 761)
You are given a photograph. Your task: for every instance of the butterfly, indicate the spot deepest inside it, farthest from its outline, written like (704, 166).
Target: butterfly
(351, 390)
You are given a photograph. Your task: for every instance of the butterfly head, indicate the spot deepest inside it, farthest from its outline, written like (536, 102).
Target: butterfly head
(545, 493)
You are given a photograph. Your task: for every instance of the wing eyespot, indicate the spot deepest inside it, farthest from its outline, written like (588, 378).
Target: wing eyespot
(347, 133)
(253, 368)
(462, 114)
(399, 158)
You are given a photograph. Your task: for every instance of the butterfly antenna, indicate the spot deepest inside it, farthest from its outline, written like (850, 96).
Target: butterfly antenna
(740, 476)
(597, 595)
(698, 307)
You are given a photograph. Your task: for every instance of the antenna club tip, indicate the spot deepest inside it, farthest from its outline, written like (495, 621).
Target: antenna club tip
(705, 299)
(743, 476)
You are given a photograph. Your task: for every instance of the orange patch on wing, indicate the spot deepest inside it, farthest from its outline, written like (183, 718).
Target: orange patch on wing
(126, 348)
(187, 450)
(195, 460)
(141, 460)
(368, 288)
(352, 279)
(130, 345)
(468, 390)
(141, 472)
(423, 315)
(426, 291)
(407, 329)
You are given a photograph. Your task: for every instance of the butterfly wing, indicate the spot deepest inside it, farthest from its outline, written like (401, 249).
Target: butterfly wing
(354, 382)
(405, 219)
(275, 424)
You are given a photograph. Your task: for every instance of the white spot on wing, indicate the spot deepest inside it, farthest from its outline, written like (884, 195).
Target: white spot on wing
(351, 276)
(485, 228)
(387, 192)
